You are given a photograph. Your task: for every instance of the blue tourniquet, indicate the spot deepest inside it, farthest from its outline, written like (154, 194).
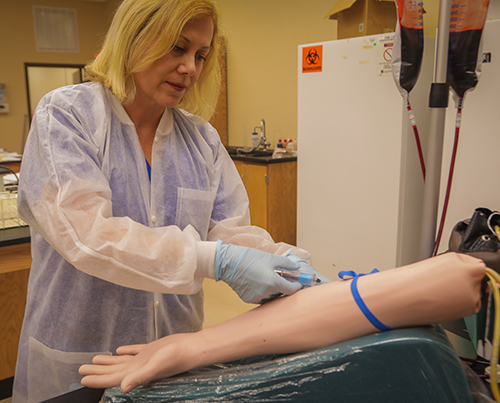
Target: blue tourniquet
(354, 289)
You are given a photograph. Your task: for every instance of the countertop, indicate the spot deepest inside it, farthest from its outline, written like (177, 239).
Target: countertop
(258, 157)
(17, 235)
(14, 236)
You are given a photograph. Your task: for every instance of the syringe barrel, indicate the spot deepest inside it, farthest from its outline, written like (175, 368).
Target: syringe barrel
(298, 276)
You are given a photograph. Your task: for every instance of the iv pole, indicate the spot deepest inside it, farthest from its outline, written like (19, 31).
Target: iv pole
(438, 102)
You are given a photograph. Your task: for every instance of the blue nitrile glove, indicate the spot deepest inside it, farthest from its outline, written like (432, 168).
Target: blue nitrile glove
(250, 272)
(307, 268)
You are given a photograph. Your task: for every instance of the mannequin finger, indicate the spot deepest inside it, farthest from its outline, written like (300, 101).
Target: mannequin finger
(110, 359)
(102, 381)
(132, 381)
(132, 349)
(88, 369)
(141, 376)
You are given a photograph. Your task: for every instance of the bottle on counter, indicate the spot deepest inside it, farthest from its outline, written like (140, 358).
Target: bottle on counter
(255, 140)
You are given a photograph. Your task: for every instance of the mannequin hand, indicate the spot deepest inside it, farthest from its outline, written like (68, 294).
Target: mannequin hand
(139, 364)
(250, 272)
(307, 268)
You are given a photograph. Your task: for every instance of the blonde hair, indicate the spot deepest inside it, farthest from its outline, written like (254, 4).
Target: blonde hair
(141, 32)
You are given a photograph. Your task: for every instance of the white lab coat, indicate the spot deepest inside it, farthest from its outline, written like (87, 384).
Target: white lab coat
(118, 259)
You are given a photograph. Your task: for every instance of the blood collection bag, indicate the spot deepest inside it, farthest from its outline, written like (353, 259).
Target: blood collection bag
(467, 20)
(408, 44)
(407, 57)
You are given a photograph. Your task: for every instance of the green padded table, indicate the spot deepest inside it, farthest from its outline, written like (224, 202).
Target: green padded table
(405, 365)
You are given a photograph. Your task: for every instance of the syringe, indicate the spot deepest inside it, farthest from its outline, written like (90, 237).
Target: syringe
(298, 276)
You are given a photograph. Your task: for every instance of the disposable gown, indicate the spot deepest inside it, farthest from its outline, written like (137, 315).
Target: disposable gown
(118, 259)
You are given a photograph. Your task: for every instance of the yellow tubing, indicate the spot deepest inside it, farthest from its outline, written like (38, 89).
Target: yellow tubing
(494, 281)
(497, 231)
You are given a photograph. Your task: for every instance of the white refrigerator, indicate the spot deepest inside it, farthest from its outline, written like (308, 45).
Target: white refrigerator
(360, 186)
(359, 180)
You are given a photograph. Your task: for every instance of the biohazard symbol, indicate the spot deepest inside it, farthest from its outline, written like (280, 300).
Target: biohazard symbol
(312, 59)
(312, 56)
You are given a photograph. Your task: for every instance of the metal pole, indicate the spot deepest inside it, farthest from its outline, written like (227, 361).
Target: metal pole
(438, 102)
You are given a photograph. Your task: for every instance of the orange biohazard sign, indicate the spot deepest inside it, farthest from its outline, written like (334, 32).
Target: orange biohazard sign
(312, 59)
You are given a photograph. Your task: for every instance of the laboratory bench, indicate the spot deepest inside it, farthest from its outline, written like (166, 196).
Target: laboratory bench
(15, 263)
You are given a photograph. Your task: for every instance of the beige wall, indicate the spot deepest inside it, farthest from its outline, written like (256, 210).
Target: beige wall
(263, 36)
(262, 48)
(18, 47)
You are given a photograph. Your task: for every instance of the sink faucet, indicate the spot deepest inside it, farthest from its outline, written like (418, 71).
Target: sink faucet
(263, 139)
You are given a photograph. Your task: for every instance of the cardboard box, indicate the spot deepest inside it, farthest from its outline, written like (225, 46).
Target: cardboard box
(364, 17)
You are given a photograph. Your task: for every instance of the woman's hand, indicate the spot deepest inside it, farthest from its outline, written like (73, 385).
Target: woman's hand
(138, 364)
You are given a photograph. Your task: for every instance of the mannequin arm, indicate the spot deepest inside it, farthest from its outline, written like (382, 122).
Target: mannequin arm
(439, 289)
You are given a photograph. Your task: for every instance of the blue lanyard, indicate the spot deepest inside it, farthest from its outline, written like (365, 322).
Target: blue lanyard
(149, 170)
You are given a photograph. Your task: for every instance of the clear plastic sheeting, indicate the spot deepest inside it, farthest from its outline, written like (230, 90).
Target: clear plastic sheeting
(406, 365)
(479, 392)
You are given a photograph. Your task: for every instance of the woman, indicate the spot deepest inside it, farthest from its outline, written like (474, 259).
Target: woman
(132, 201)
(436, 290)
